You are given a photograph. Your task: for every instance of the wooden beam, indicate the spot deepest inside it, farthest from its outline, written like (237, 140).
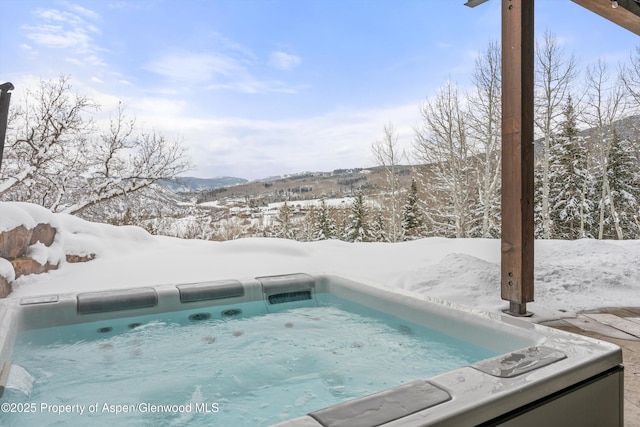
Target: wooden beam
(627, 14)
(517, 154)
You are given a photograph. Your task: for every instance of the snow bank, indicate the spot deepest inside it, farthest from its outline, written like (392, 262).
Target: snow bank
(570, 275)
(13, 215)
(6, 270)
(84, 238)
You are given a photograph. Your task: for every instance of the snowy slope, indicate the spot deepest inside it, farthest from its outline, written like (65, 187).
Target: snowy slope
(570, 275)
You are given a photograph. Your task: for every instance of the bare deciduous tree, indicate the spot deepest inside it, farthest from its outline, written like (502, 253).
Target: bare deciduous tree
(46, 142)
(388, 155)
(604, 102)
(555, 72)
(485, 118)
(58, 161)
(441, 143)
(630, 76)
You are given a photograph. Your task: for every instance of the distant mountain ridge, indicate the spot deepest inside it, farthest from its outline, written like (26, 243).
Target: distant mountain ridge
(626, 127)
(336, 182)
(188, 184)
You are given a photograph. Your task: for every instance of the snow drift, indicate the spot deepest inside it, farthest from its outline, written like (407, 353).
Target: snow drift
(569, 275)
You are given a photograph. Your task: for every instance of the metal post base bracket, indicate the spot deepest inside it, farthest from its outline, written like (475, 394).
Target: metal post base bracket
(518, 310)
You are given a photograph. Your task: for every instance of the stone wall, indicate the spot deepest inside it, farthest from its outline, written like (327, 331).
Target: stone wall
(14, 247)
(17, 246)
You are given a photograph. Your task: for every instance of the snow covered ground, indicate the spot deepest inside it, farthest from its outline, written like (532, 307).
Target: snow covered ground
(570, 275)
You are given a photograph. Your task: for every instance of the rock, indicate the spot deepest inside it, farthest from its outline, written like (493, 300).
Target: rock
(5, 288)
(24, 266)
(14, 243)
(80, 258)
(43, 233)
(14, 247)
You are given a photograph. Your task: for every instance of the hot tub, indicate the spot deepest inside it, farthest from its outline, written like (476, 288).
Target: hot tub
(532, 376)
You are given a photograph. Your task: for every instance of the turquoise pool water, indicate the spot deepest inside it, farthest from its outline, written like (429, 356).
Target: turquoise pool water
(223, 366)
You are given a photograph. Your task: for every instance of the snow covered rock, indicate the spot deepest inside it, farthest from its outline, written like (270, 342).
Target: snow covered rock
(14, 243)
(43, 233)
(7, 275)
(26, 251)
(25, 265)
(5, 288)
(29, 243)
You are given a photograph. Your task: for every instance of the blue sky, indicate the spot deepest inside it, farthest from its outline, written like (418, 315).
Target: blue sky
(256, 88)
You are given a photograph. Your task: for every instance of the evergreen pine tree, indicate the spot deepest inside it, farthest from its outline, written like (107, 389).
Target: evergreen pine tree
(412, 220)
(307, 233)
(624, 190)
(358, 228)
(537, 202)
(284, 228)
(569, 206)
(325, 226)
(379, 228)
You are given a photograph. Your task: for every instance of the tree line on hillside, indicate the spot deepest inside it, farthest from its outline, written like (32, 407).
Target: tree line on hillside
(361, 222)
(587, 181)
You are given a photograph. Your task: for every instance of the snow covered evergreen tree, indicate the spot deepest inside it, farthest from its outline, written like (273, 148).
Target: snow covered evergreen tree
(284, 222)
(379, 229)
(325, 226)
(569, 180)
(537, 201)
(623, 191)
(412, 220)
(308, 228)
(358, 228)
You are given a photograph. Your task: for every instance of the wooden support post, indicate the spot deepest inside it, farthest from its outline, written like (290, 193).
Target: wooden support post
(517, 154)
(5, 97)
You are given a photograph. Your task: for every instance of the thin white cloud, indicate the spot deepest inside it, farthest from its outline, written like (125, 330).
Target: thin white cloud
(283, 60)
(223, 65)
(57, 15)
(232, 68)
(157, 107)
(87, 13)
(242, 53)
(256, 149)
(55, 36)
(248, 84)
(196, 68)
(86, 59)
(69, 30)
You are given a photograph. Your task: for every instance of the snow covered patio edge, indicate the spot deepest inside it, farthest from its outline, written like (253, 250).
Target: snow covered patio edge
(570, 276)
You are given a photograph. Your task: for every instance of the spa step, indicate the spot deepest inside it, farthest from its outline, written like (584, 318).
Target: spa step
(588, 324)
(619, 323)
